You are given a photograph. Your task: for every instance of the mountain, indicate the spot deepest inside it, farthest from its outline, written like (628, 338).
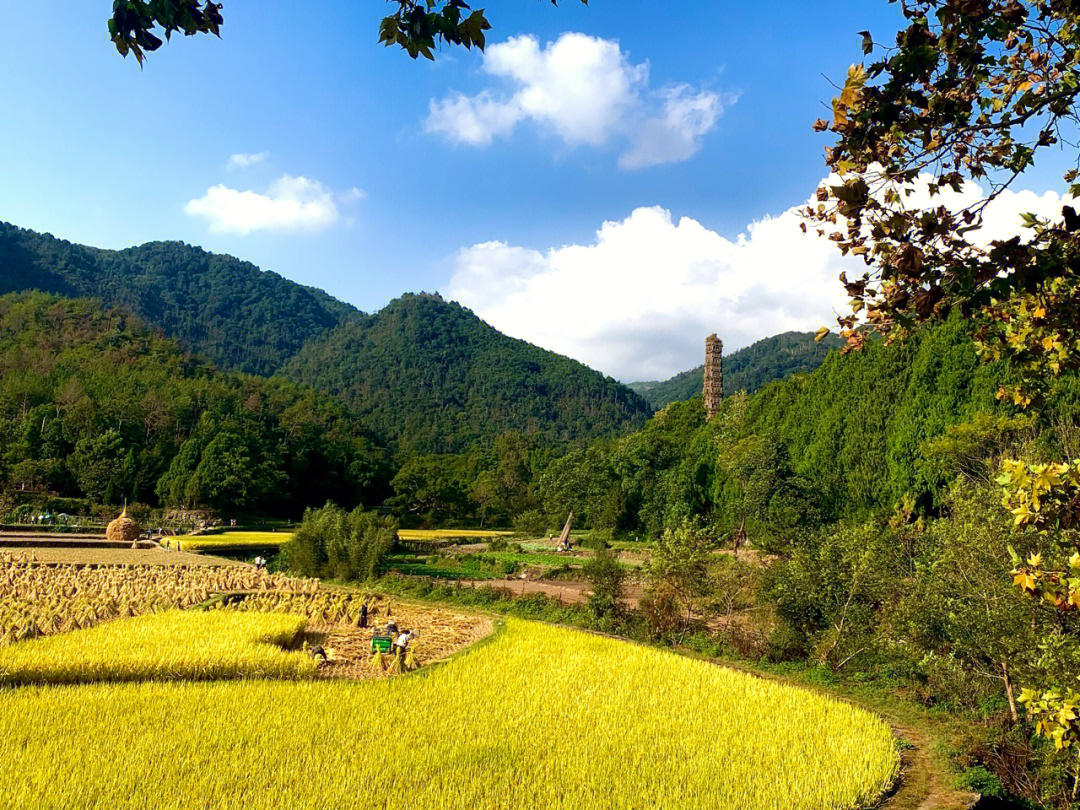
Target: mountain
(747, 369)
(432, 377)
(849, 440)
(96, 405)
(221, 308)
(424, 374)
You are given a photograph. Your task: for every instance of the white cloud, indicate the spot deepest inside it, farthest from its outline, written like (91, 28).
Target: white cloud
(354, 194)
(241, 160)
(638, 301)
(675, 134)
(587, 92)
(291, 204)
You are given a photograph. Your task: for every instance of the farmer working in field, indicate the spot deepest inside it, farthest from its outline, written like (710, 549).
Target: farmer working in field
(402, 641)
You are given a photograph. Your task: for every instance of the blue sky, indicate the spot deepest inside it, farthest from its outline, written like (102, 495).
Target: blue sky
(708, 134)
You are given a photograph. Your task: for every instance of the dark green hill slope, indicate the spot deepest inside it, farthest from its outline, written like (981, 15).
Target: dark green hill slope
(95, 404)
(226, 310)
(423, 373)
(849, 440)
(747, 369)
(432, 377)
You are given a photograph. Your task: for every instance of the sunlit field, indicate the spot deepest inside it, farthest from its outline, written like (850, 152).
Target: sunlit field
(537, 717)
(449, 534)
(232, 540)
(173, 645)
(238, 540)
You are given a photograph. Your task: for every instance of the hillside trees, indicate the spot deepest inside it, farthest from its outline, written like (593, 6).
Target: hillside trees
(431, 377)
(423, 375)
(748, 369)
(94, 405)
(972, 92)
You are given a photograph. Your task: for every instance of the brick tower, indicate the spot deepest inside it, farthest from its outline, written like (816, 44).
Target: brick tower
(713, 392)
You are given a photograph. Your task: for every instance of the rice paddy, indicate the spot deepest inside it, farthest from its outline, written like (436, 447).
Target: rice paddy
(538, 717)
(231, 540)
(173, 645)
(450, 534)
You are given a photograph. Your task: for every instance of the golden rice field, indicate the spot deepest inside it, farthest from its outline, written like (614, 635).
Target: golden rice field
(448, 534)
(44, 600)
(334, 616)
(173, 645)
(231, 540)
(537, 717)
(41, 600)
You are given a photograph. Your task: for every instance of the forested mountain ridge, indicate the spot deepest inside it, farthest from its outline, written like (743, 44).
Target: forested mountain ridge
(748, 369)
(96, 405)
(223, 309)
(422, 372)
(433, 377)
(849, 440)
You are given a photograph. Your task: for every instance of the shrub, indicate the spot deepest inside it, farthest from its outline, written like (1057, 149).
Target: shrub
(331, 542)
(606, 577)
(981, 781)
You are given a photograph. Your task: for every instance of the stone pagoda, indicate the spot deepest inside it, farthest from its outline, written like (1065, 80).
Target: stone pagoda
(713, 391)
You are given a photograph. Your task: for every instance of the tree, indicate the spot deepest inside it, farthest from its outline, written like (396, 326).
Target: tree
(101, 467)
(607, 578)
(331, 542)
(417, 27)
(679, 570)
(971, 91)
(831, 587)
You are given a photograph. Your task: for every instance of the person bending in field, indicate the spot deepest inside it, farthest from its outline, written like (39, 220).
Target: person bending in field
(402, 642)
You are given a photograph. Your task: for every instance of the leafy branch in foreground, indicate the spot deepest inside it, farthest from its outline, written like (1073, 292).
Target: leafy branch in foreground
(133, 22)
(970, 92)
(417, 26)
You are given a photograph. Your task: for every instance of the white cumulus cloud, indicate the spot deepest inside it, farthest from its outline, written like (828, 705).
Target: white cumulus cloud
(638, 301)
(586, 91)
(290, 204)
(242, 160)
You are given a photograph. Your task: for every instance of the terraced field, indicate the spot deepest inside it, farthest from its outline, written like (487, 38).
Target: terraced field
(538, 717)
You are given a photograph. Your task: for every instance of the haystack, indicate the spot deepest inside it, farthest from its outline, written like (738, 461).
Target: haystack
(123, 529)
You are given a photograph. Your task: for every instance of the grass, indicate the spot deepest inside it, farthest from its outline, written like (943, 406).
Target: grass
(463, 567)
(476, 565)
(538, 717)
(530, 558)
(203, 542)
(172, 645)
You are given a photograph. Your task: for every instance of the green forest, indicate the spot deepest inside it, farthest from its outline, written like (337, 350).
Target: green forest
(422, 374)
(96, 406)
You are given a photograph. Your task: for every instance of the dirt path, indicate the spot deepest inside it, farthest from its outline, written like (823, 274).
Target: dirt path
(923, 785)
(569, 591)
